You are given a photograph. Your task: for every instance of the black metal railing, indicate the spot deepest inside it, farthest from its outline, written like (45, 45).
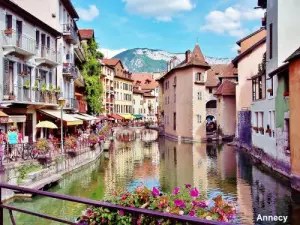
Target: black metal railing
(70, 70)
(70, 32)
(28, 94)
(135, 212)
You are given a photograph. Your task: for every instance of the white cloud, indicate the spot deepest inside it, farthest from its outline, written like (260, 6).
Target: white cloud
(161, 10)
(235, 48)
(109, 53)
(88, 14)
(231, 21)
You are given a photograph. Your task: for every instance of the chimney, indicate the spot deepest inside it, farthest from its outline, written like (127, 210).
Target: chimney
(239, 51)
(187, 55)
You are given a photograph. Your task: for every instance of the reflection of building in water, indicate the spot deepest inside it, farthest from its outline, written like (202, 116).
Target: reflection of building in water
(149, 135)
(131, 163)
(200, 167)
(244, 195)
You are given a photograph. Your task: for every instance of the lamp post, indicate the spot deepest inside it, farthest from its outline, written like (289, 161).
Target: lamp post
(61, 102)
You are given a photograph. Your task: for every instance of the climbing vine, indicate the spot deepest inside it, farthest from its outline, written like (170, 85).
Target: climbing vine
(91, 71)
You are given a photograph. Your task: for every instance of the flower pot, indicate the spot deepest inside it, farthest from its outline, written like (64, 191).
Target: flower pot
(5, 97)
(8, 31)
(11, 97)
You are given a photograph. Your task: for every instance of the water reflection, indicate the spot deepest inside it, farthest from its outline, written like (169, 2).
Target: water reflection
(214, 169)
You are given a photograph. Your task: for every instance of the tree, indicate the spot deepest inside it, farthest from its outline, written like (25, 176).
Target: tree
(91, 71)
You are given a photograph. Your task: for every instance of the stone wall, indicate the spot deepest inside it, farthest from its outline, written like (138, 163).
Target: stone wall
(244, 127)
(50, 172)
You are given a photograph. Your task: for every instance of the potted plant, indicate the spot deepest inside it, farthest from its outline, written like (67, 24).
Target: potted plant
(93, 139)
(52, 93)
(261, 130)
(71, 145)
(11, 96)
(286, 94)
(45, 92)
(57, 90)
(255, 129)
(26, 84)
(270, 90)
(42, 148)
(36, 85)
(8, 31)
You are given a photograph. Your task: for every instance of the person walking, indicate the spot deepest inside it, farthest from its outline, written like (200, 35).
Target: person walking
(12, 137)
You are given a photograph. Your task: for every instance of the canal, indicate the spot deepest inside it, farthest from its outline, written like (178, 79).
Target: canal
(214, 169)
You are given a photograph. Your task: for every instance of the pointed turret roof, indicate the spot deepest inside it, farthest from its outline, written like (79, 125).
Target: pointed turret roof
(197, 57)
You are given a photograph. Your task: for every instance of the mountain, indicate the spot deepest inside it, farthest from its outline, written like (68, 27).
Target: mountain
(150, 60)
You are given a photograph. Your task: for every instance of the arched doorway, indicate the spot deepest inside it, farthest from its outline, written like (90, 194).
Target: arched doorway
(211, 112)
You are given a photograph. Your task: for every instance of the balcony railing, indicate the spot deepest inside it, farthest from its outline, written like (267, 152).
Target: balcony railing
(47, 56)
(17, 42)
(28, 95)
(71, 103)
(70, 33)
(70, 70)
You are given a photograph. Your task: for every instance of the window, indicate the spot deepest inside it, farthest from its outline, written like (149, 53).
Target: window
(37, 37)
(133, 101)
(210, 90)
(256, 120)
(272, 85)
(174, 121)
(48, 42)
(174, 97)
(175, 81)
(168, 99)
(8, 22)
(259, 88)
(198, 118)
(271, 41)
(199, 77)
(199, 96)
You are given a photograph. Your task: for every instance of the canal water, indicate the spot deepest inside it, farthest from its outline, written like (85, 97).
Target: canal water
(214, 169)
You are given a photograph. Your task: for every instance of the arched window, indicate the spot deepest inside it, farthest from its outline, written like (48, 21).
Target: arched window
(211, 104)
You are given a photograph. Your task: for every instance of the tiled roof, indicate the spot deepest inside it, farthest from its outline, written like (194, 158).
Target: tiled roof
(226, 88)
(248, 51)
(111, 62)
(196, 59)
(213, 75)
(144, 80)
(229, 71)
(86, 33)
(250, 35)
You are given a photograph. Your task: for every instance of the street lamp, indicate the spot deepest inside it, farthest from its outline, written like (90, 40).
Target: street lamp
(61, 102)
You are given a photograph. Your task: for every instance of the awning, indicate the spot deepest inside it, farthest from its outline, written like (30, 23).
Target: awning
(116, 117)
(17, 119)
(3, 117)
(102, 117)
(81, 117)
(89, 117)
(71, 121)
(138, 116)
(128, 116)
(78, 94)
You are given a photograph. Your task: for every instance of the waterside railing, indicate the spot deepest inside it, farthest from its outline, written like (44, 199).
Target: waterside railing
(135, 212)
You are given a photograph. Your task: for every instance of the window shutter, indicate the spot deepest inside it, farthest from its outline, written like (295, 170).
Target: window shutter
(6, 76)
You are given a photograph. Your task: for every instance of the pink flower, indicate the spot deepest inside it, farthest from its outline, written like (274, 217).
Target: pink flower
(179, 203)
(155, 192)
(121, 212)
(176, 191)
(188, 186)
(192, 213)
(202, 204)
(123, 197)
(88, 212)
(194, 193)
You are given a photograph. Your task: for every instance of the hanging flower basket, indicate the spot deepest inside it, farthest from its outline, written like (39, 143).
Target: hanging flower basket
(255, 129)
(286, 94)
(261, 130)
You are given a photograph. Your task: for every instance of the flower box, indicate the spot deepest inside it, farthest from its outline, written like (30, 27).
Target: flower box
(8, 31)
(286, 94)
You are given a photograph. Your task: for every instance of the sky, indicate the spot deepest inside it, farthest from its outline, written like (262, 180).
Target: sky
(170, 25)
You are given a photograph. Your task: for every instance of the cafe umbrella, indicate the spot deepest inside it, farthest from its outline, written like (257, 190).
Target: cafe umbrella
(45, 124)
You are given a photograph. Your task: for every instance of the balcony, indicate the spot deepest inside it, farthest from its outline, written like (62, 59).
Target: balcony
(70, 33)
(79, 52)
(47, 56)
(29, 95)
(17, 43)
(69, 70)
(80, 80)
(71, 103)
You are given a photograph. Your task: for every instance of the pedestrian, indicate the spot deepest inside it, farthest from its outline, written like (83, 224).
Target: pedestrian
(12, 137)
(20, 137)
(2, 145)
